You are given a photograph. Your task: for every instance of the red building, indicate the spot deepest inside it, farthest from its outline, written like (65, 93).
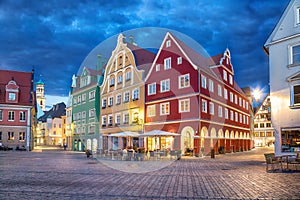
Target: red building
(196, 97)
(16, 108)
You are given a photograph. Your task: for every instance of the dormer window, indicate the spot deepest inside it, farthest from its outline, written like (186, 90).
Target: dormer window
(11, 96)
(12, 91)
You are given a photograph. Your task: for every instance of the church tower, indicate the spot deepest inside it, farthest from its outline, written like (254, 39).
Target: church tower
(40, 97)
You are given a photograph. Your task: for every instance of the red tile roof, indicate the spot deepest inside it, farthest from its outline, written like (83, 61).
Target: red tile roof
(23, 80)
(143, 58)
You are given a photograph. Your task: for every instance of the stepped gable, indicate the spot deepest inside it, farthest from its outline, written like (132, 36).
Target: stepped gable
(56, 111)
(23, 80)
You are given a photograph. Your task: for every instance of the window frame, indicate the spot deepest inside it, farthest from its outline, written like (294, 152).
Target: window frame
(183, 77)
(167, 63)
(186, 102)
(152, 86)
(164, 107)
(204, 105)
(151, 110)
(165, 85)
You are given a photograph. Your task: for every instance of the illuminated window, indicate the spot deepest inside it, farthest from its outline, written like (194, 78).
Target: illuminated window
(151, 110)
(164, 108)
(22, 136)
(184, 105)
(10, 136)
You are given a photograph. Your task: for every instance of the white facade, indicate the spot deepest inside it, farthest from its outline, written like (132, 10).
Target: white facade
(263, 129)
(283, 47)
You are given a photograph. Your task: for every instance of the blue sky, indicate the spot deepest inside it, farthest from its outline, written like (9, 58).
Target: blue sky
(56, 36)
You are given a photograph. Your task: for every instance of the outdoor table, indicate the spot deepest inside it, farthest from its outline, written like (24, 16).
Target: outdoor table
(282, 158)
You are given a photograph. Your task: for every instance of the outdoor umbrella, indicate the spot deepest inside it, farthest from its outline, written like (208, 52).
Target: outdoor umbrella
(125, 134)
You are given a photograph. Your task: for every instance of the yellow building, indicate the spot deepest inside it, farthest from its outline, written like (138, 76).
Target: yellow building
(122, 94)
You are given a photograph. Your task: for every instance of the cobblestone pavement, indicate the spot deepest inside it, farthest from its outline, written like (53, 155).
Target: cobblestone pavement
(69, 175)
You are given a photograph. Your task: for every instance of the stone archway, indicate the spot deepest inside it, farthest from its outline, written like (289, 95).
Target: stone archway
(187, 139)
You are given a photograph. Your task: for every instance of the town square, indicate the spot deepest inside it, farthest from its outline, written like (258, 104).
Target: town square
(150, 99)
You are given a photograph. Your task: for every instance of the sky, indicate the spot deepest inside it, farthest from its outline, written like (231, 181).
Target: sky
(55, 37)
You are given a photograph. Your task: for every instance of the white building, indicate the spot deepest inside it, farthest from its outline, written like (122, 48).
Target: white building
(283, 47)
(263, 130)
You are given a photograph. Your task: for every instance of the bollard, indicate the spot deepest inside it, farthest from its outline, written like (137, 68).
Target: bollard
(212, 153)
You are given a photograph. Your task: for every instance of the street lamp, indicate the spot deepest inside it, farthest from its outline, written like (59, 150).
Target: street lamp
(256, 94)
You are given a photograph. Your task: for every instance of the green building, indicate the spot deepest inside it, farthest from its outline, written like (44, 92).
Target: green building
(85, 94)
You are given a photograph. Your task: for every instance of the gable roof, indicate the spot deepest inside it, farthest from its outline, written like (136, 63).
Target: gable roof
(23, 80)
(56, 111)
(271, 39)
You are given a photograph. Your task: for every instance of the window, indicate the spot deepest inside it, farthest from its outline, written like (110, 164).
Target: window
(231, 97)
(126, 97)
(295, 97)
(119, 98)
(110, 120)
(225, 93)
(236, 117)
(157, 67)
(168, 43)
(79, 117)
(120, 79)
(262, 125)
(241, 118)
(151, 88)
(104, 103)
(230, 79)
(135, 95)
(11, 115)
(203, 81)
(211, 85)
(297, 16)
(92, 95)
(211, 108)
(118, 119)
(231, 115)
(128, 76)
(164, 108)
(103, 121)
(247, 105)
(74, 101)
(244, 103)
(22, 116)
(220, 90)
(83, 98)
(112, 81)
(179, 60)
(247, 120)
(165, 85)
(126, 118)
(226, 113)
(244, 119)
(151, 111)
(184, 105)
(91, 128)
(295, 54)
(92, 113)
(268, 125)
(22, 136)
(220, 111)
(83, 129)
(225, 74)
(83, 115)
(11, 96)
(167, 63)
(110, 101)
(10, 136)
(235, 99)
(184, 81)
(1, 115)
(79, 99)
(204, 106)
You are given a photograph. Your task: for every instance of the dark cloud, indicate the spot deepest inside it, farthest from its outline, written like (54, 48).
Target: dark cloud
(56, 36)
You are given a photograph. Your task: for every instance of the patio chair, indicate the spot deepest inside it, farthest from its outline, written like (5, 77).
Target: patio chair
(271, 160)
(296, 161)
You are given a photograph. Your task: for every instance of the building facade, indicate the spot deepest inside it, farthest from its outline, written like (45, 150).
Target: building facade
(122, 94)
(16, 108)
(263, 129)
(50, 127)
(86, 110)
(197, 98)
(283, 48)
